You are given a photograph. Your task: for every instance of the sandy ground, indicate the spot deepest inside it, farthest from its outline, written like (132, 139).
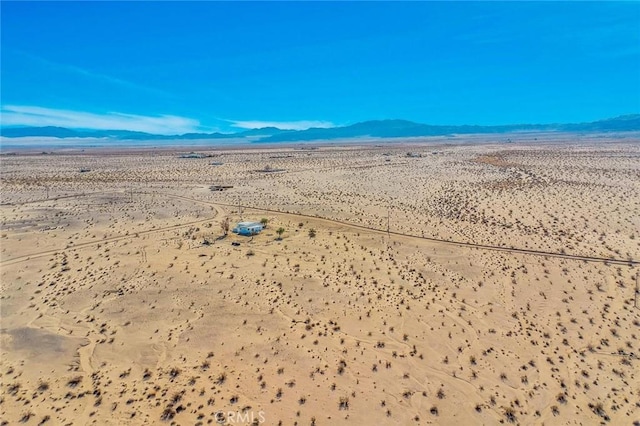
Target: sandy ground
(122, 302)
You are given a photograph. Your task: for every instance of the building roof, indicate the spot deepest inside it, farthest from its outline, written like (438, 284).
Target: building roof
(247, 224)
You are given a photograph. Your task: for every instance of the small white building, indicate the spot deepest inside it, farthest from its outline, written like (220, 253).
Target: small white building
(248, 228)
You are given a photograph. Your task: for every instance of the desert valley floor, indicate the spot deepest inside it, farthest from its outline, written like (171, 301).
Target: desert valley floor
(415, 283)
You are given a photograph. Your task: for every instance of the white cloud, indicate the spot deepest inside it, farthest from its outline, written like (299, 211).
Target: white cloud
(20, 115)
(285, 125)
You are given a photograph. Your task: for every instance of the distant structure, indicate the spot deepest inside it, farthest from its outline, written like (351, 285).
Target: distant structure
(248, 228)
(269, 169)
(193, 155)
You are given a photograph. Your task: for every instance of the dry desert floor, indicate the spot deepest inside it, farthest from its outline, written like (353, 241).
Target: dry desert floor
(423, 282)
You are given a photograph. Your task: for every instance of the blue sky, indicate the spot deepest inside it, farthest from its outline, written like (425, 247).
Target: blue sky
(206, 66)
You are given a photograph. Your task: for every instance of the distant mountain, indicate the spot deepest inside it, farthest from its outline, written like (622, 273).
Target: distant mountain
(62, 132)
(376, 128)
(403, 128)
(193, 136)
(49, 131)
(263, 131)
(623, 123)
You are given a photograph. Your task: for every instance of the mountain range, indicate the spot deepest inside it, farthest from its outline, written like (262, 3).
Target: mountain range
(63, 132)
(375, 128)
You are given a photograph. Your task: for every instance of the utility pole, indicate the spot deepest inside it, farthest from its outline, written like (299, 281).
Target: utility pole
(388, 225)
(635, 303)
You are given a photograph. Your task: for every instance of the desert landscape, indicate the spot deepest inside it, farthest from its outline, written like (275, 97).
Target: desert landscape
(469, 280)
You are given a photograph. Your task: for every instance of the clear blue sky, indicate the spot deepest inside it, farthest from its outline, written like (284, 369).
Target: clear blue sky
(175, 67)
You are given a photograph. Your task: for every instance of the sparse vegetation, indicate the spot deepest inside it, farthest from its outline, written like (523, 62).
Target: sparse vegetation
(225, 225)
(127, 308)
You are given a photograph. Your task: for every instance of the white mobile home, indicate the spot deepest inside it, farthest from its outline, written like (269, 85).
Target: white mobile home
(248, 228)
